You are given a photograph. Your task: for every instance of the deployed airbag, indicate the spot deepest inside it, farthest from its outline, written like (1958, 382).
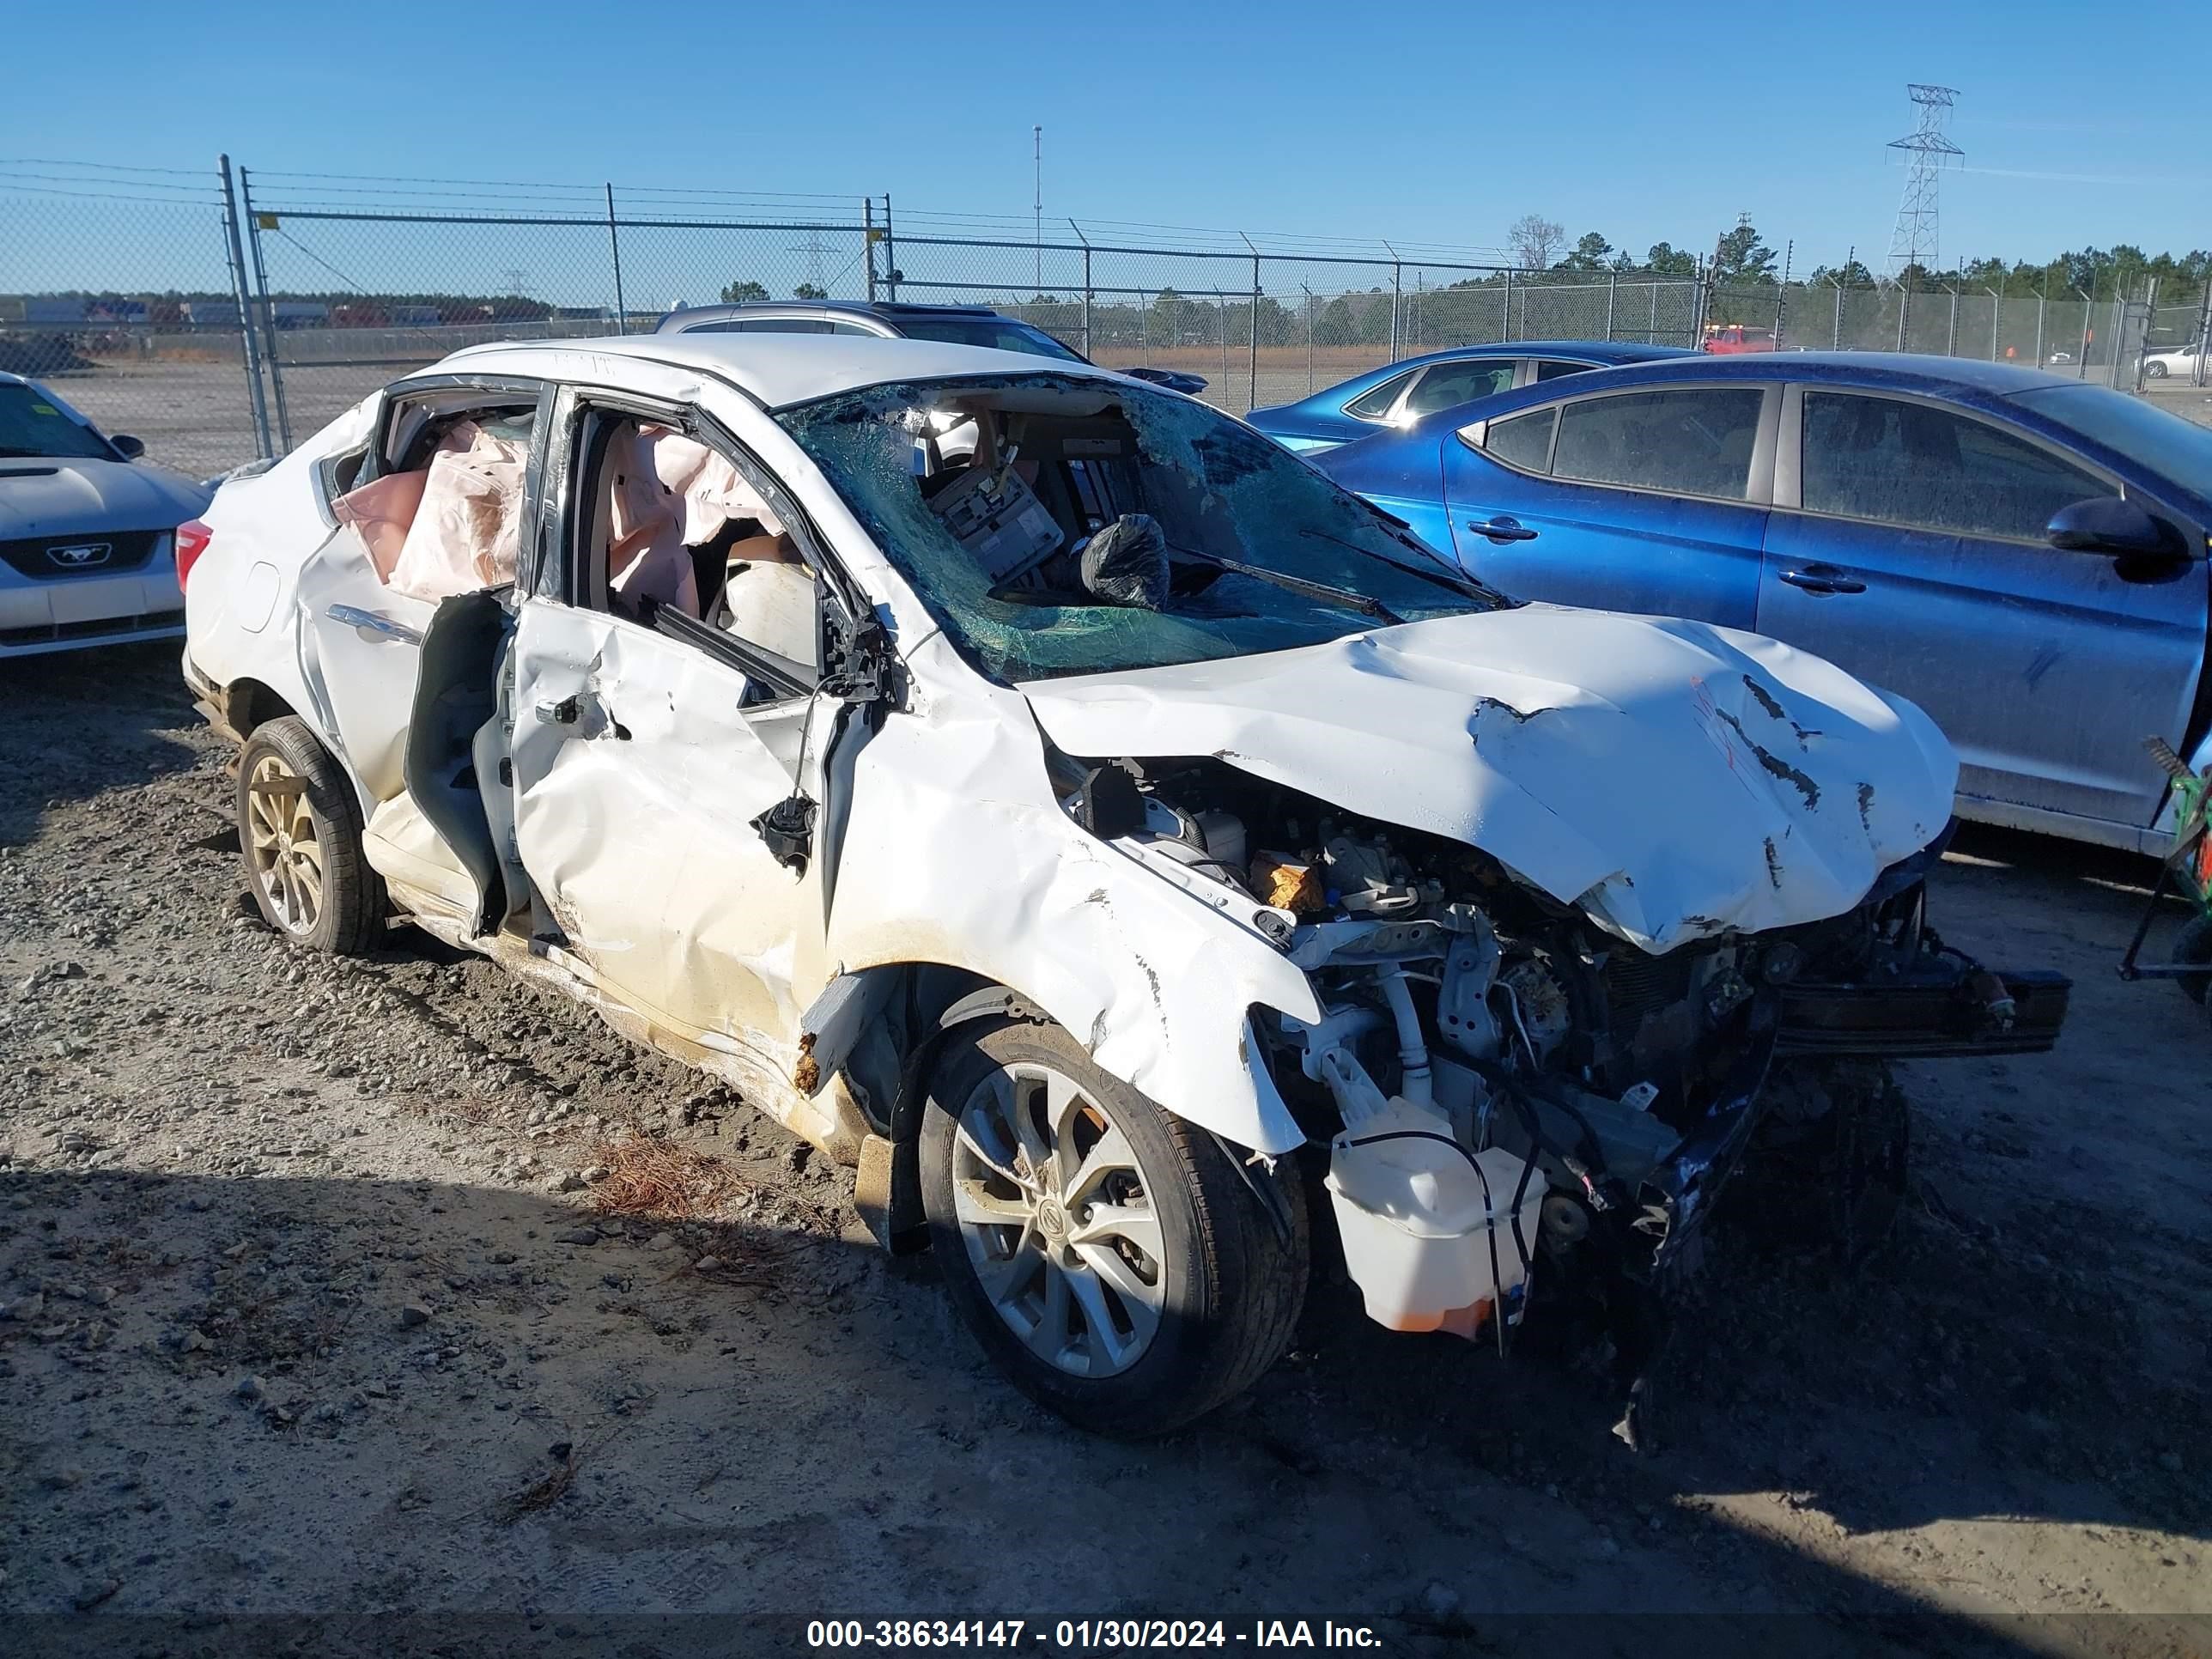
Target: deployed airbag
(463, 536)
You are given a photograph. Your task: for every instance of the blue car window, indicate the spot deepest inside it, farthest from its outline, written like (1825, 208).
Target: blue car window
(1447, 384)
(2153, 438)
(1523, 440)
(1552, 368)
(1693, 441)
(1376, 404)
(1910, 464)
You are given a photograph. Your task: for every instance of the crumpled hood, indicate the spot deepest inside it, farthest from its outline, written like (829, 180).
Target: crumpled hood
(1673, 778)
(63, 495)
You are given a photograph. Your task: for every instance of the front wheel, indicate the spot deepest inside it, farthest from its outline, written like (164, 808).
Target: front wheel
(1110, 1258)
(2154, 371)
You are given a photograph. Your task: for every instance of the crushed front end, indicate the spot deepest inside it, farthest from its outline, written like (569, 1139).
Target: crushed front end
(1517, 1103)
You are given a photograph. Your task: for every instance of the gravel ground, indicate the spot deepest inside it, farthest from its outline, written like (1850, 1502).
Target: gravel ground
(317, 1301)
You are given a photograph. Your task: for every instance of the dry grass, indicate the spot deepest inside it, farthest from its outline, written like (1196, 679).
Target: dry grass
(652, 1179)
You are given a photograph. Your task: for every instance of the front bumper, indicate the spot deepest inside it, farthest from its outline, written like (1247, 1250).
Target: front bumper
(76, 612)
(1952, 1009)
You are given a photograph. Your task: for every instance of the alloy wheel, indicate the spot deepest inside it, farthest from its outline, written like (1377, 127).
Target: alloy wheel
(1057, 1217)
(287, 850)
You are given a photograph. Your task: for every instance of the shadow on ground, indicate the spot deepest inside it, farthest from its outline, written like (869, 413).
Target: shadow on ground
(82, 722)
(242, 1399)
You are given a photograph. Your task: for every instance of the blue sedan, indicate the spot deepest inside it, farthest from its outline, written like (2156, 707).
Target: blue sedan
(1399, 393)
(2024, 557)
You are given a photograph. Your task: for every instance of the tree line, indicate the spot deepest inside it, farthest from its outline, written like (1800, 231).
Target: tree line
(1741, 257)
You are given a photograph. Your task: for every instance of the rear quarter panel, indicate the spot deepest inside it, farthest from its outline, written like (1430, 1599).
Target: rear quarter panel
(241, 607)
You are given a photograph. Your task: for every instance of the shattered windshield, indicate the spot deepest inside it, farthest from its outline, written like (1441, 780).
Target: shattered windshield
(1060, 525)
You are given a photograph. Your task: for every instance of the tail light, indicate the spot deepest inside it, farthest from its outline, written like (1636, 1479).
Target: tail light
(192, 540)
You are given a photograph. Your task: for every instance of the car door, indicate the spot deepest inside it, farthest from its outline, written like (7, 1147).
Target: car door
(643, 753)
(1907, 546)
(1648, 500)
(361, 641)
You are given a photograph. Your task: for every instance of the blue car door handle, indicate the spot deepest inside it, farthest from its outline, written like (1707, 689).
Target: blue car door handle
(1502, 529)
(1823, 579)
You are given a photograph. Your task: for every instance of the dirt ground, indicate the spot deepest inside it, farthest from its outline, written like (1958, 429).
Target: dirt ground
(323, 1332)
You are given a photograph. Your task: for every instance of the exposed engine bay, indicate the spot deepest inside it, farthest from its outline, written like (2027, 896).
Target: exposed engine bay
(1510, 1094)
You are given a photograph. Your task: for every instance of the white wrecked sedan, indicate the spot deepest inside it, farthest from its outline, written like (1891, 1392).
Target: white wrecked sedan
(1042, 792)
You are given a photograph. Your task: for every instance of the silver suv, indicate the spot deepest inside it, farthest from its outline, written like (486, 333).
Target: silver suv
(970, 326)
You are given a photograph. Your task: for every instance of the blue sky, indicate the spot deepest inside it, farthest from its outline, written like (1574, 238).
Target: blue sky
(1435, 124)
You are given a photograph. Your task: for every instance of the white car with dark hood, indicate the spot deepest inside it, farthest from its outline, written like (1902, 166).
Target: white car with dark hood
(87, 531)
(1053, 800)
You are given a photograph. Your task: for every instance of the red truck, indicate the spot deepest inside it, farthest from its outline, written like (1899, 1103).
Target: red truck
(1723, 339)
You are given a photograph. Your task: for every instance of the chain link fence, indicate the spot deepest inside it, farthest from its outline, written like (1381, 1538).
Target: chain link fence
(118, 290)
(220, 315)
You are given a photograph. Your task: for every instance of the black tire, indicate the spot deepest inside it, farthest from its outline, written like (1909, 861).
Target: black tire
(1830, 1161)
(1232, 1271)
(2193, 943)
(347, 914)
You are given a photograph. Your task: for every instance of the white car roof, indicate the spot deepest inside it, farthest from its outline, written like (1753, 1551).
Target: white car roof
(782, 369)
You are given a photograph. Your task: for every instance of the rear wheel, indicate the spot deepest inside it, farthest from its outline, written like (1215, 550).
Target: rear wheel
(298, 836)
(1111, 1259)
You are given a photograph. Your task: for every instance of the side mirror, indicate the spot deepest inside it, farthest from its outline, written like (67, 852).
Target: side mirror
(128, 447)
(2108, 524)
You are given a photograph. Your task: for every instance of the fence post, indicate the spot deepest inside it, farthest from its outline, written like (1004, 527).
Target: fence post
(1310, 357)
(2120, 338)
(267, 311)
(1651, 332)
(251, 350)
(614, 242)
(1397, 277)
(890, 250)
(1251, 390)
(1221, 321)
(1611, 280)
(1782, 293)
(1904, 304)
(1951, 334)
(1836, 333)
(2081, 364)
(2041, 300)
(2197, 372)
(1085, 241)
(1505, 317)
(1996, 321)
(868, 254)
